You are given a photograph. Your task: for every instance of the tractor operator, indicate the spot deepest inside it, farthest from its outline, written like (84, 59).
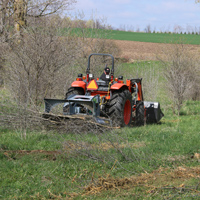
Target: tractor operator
(106, 72)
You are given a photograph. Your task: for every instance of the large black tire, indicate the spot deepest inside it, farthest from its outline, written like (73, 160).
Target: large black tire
(140, 114)
(71, 91)
(120, 108)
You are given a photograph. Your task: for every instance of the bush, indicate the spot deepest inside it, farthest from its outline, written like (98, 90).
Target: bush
(181, 73)
(38, 64)
(41, 63)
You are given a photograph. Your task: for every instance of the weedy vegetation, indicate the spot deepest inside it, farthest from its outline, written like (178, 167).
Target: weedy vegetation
(77, 159)
(153, 161)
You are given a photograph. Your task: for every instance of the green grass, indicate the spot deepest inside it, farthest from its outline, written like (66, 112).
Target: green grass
(152, 79)
(38, 175)
(155, 37)
(134, 36)
(57, 171)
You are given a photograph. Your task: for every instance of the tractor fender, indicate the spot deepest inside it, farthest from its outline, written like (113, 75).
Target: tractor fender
(118, 86)
(79, 84)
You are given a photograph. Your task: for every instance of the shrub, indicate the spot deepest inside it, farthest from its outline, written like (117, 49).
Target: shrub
(181, 75)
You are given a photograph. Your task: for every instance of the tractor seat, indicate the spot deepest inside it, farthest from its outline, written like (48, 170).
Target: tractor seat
(102, 85)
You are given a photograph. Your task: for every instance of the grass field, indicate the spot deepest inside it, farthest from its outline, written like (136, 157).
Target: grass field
(43, 166)
(39, 159)
(155, 37)
(135, 36)
(156, 161)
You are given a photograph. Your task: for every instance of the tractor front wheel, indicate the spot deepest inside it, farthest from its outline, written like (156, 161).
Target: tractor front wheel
(120, 108)
(71, 91)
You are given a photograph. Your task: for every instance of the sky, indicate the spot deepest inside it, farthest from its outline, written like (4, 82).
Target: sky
(161, 15)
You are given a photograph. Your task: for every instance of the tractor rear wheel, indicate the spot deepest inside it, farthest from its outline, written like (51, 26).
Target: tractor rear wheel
(71, 91)
(120, 108)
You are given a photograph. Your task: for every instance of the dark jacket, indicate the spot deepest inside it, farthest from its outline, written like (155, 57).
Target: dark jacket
(103, 77)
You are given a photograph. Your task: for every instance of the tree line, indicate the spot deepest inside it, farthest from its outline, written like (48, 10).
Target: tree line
(36, 62)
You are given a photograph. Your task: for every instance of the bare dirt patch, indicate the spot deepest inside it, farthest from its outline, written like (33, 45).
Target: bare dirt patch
(132, 50)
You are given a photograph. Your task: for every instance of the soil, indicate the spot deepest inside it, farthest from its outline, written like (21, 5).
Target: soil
(131, 50)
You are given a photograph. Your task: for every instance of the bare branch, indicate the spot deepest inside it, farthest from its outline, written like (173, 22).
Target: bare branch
(47, 7)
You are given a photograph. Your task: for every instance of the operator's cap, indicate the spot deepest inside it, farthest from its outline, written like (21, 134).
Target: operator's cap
(107, 70)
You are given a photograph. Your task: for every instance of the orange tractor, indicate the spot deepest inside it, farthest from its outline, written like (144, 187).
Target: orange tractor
(108, 99)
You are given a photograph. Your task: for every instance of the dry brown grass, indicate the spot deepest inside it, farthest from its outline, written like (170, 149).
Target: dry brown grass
(163, 178)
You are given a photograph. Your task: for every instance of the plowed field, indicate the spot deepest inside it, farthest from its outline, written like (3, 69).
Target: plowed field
(145, 50)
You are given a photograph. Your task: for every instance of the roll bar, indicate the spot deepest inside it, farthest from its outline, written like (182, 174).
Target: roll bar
(100, 54)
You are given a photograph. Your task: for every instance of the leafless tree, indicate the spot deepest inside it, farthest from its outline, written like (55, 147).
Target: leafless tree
(138, 30)
(18, 11)
(178, 29)
(180, 72)
(19, 14)
(93, 42)
(148, 29)
(6, 14)
(44, 64)
(1, 71)
(39, 65)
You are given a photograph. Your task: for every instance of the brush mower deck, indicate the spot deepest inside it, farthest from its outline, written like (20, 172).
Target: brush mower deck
(79, 106)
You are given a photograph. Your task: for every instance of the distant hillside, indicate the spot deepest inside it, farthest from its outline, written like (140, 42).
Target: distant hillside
(137, 36)
(134, 50)
(156, 37)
